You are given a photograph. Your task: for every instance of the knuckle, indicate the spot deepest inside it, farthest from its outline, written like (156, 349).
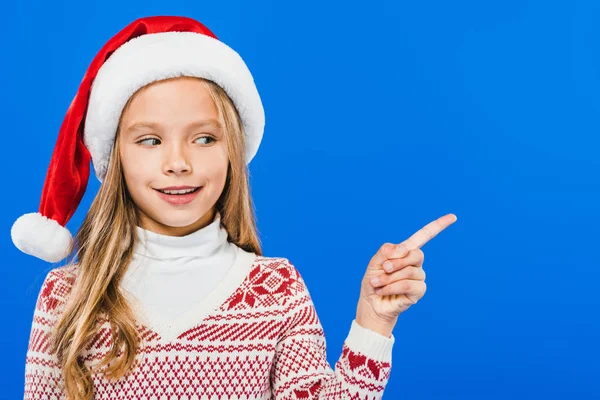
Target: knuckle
(417, 273)
(396, 265)
(388, 247)
(411, 272)
(407, 273)
(417, 256)
(429, 234)
(405, 286)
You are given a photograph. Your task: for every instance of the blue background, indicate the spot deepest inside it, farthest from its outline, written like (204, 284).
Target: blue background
(381, 117)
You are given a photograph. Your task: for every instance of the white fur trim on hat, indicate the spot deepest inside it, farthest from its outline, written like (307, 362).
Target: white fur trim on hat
(41, 237)
(153, 57)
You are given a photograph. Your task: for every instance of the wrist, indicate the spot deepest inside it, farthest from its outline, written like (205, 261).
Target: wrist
(373, 322)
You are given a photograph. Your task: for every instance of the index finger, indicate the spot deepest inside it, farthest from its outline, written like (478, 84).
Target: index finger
(428, 232)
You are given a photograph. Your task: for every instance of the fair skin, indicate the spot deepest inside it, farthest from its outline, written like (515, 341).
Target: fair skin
(385, 294)
(170, 137)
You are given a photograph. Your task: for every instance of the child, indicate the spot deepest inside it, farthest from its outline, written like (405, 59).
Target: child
(170, 296)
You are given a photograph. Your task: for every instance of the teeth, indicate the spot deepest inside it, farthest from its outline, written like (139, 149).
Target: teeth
(183, 191)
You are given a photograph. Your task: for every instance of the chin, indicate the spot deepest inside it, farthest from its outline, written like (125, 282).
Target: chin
(157, 214)
(179, 222)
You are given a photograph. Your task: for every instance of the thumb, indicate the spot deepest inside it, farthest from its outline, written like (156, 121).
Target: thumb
(388, 251)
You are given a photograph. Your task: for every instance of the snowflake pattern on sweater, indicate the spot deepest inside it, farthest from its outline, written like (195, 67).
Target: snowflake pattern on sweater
(264, 342)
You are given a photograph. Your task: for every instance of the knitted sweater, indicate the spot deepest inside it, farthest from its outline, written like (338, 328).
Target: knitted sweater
(264, 340)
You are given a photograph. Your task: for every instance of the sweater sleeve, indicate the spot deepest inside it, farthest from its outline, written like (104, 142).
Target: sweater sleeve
(300, 369)
(42, 371)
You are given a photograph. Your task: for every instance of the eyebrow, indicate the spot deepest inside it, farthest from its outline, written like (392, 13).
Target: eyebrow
(153, 125)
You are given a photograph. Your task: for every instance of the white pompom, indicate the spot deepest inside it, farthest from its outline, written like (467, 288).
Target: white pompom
(41, 237)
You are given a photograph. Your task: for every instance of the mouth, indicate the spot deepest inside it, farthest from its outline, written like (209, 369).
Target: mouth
(179, 190)
(179, 196)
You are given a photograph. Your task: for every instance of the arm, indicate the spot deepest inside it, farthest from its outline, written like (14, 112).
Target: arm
(42, 371)
(301, 370)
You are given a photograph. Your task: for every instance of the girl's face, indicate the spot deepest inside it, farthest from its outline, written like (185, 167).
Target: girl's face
(170, 137)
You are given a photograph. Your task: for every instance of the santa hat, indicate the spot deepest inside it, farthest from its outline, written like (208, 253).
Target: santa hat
(148, 50)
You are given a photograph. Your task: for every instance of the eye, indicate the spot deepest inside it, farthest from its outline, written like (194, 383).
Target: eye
(148, 141)
(206, 137)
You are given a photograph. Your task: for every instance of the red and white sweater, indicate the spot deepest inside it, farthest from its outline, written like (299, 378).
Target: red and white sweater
(262, 340)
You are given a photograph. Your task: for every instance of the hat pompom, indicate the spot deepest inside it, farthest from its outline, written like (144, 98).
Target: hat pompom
(41, 237)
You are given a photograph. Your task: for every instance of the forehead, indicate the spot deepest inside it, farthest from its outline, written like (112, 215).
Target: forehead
(173, 100)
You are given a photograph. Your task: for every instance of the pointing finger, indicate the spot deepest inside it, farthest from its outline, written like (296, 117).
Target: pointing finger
(390, 251)
(425, 234)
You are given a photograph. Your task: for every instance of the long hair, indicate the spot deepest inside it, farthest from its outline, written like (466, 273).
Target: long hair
(104, 247)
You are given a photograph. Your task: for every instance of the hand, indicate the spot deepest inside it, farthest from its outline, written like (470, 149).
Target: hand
(385, 294)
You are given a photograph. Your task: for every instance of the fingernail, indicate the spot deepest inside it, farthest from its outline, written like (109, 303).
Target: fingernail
(374, 281)
(388, 266)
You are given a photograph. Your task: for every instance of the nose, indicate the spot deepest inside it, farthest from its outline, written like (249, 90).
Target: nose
(177, 161)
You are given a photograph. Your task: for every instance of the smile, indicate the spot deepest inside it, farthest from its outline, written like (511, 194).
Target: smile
(179, 191)
(178, 197)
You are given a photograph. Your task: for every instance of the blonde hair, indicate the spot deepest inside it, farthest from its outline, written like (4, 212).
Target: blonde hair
(104, 248)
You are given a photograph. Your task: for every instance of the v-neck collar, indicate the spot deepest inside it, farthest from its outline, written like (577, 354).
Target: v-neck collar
(181, 324)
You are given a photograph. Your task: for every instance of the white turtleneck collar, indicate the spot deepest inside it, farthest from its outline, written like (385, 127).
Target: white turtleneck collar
(174, 281)
(205, 243)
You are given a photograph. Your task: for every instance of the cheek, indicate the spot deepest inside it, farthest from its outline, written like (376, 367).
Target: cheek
(135, 170)
(215, 166)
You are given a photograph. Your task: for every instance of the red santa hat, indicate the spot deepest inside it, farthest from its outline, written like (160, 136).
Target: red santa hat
(147, 50)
